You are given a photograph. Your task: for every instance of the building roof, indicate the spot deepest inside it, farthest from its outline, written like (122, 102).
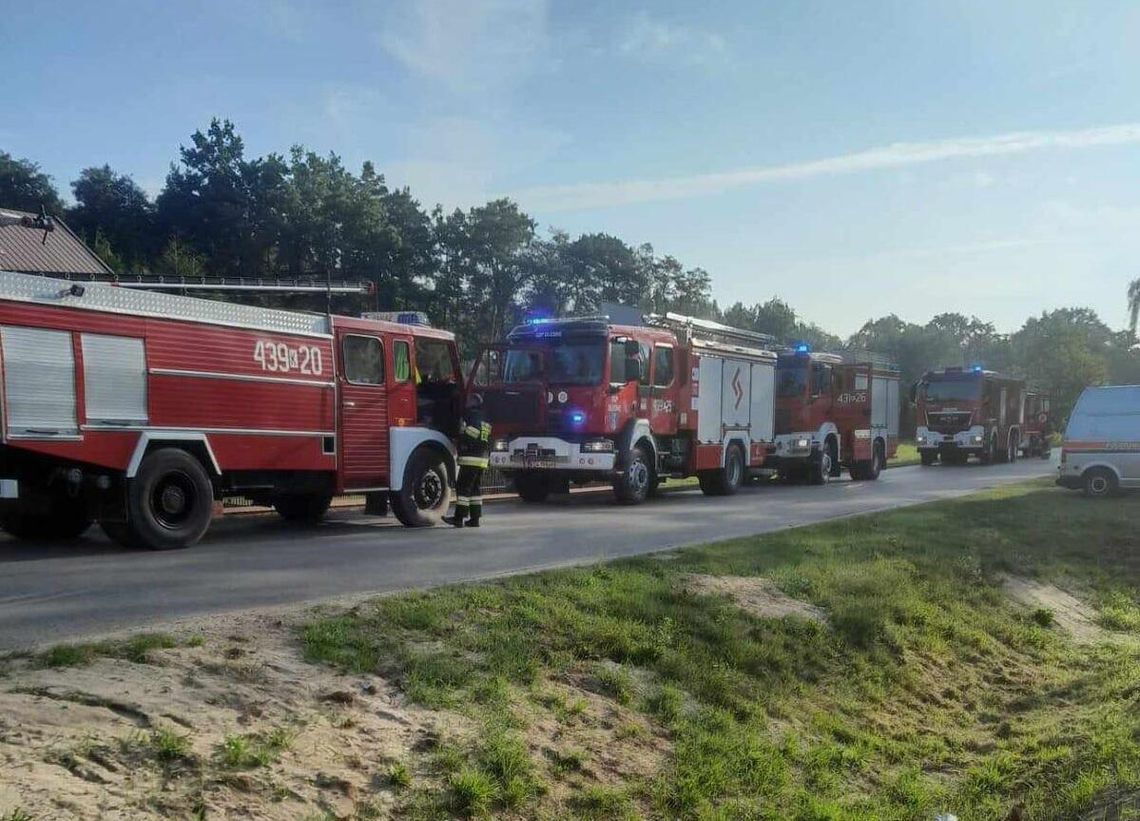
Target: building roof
(24, 250)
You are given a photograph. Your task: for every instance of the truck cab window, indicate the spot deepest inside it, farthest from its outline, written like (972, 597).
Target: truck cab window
(363, 360)
(663, 367)
(402, 361)
(433, 361)
(820, 379)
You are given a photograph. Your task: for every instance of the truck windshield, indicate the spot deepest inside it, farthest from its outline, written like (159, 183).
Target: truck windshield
(567, 362)
(956, 390)
(791, 380)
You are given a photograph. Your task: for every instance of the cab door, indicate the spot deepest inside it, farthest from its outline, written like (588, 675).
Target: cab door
(663, 396)
(401, 382)
(363, 441)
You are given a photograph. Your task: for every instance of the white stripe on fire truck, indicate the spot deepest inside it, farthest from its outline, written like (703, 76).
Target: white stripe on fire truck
(238, 377)
(243, 431)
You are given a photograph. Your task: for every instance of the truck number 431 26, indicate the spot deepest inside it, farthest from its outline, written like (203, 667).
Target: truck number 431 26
(282, 358)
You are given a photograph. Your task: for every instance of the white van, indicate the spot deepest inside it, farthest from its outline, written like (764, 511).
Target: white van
(1101, 449)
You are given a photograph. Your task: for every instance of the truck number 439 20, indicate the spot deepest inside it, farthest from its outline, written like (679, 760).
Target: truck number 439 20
(282, 358)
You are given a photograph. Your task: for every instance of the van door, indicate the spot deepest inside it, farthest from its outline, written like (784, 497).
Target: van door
(363, 440)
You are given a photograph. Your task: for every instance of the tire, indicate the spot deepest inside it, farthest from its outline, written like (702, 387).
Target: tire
(869, 469)
(833, 450)
(928, 457)
(632, 487)
(819, 471)
(532, 487)
(425, 494)
(989, 455)
(308, 508)
(1100, 483)
(727, 480)
(1013, 453)
(65, 520)
(170, 501)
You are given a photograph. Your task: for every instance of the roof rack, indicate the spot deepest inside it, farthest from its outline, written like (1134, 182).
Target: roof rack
(692, 325)
(168, 282)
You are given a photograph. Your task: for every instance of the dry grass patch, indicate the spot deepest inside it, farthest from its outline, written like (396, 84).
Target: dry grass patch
(755, 595)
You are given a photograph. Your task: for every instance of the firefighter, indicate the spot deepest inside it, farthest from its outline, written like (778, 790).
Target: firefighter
(474, 454)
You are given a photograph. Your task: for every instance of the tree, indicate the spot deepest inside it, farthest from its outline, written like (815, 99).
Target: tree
(1064, 351)
(25, 188)
(178, 259)
(111, 206)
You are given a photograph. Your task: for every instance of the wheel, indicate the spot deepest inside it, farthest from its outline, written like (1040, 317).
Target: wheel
(632, 487)
(65, 519)
(1100, 483)
(869, 469)
(1013, 452)
(928, 457)
(169, 502)
(532, 487)
(819, 471)
(833, 450)
(424, 497)
(302, 507)
(727, 480)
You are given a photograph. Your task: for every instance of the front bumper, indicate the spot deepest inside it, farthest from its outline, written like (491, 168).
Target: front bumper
(551, 453)
(969, 441)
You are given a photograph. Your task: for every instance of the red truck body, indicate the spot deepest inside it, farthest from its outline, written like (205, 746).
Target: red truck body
(284, 407)
(834, 412)
(965, 412)
(585, 399)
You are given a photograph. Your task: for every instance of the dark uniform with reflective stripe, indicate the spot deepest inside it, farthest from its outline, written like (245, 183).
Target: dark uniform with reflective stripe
(474, 454)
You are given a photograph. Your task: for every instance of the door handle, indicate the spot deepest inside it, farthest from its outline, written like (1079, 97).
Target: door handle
(349, 404)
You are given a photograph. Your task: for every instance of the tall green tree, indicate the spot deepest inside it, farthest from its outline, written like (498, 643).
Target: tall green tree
(112, 206)
(24, 187)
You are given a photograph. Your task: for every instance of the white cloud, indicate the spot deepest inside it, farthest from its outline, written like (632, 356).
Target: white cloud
(468, 45)
(896, 155)
(647, 38)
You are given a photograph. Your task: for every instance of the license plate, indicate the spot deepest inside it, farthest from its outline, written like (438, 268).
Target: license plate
(538, 462)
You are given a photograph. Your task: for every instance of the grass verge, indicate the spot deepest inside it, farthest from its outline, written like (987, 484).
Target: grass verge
(617, 691)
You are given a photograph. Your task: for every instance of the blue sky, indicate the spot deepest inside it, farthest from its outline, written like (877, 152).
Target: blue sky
(853, 158)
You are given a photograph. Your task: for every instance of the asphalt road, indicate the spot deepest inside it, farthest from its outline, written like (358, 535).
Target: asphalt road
(92, 587)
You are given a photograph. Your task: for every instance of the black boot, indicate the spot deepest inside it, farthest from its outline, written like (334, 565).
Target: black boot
(474, 521)
(454, 521)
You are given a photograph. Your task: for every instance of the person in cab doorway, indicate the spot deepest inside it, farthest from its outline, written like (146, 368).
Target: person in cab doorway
(474, 454)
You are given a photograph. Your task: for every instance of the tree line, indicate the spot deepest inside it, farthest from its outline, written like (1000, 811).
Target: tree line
(479, 271)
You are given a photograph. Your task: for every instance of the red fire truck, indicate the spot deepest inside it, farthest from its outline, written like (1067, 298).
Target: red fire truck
(139, 410)
(969, 411)
(584, 399)
(834, 412)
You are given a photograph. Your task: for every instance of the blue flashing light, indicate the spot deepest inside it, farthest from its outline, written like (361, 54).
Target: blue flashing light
(976, 368)
(803, 347)
(577, 418)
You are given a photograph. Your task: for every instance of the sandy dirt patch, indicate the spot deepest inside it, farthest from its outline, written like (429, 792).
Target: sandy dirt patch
(101, 741)
(756, 595)
(1069, 612)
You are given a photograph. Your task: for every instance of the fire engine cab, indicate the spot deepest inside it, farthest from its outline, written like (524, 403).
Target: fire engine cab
(140, 410)
(584, 399)
(965, 412)
(834, 411)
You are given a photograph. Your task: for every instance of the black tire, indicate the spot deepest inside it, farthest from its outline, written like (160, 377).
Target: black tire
(532, 487)
(819, 469)
(170, 501)
(928, 457)
(868, 470)
(632, 487)
(308, 508)
(727, 480)
(989, 455)
(66, 519)
(1100, 483)
(1014, 452)
(425, 494)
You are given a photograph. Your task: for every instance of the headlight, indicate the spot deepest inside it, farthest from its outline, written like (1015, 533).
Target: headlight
(920, 439)
(598, 446)
(802, 443)
(501, 446)
(977, 439)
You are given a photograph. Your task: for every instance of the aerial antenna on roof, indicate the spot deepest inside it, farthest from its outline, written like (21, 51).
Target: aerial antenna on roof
(45, 222)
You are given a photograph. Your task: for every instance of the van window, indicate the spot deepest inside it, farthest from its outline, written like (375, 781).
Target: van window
(363, 360)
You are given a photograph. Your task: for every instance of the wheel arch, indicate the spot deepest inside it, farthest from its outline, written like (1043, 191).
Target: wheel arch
(195, 443)
(635, 432)
(405, 442)
(1101, 465)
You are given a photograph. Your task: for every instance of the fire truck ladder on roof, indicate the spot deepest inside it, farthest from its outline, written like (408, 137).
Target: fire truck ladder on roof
(708, 329)
(167, 282)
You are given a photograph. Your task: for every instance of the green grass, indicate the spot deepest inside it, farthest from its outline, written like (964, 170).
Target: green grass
(16, 815)
(928, 690)
(244, 752)
(138, 649)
